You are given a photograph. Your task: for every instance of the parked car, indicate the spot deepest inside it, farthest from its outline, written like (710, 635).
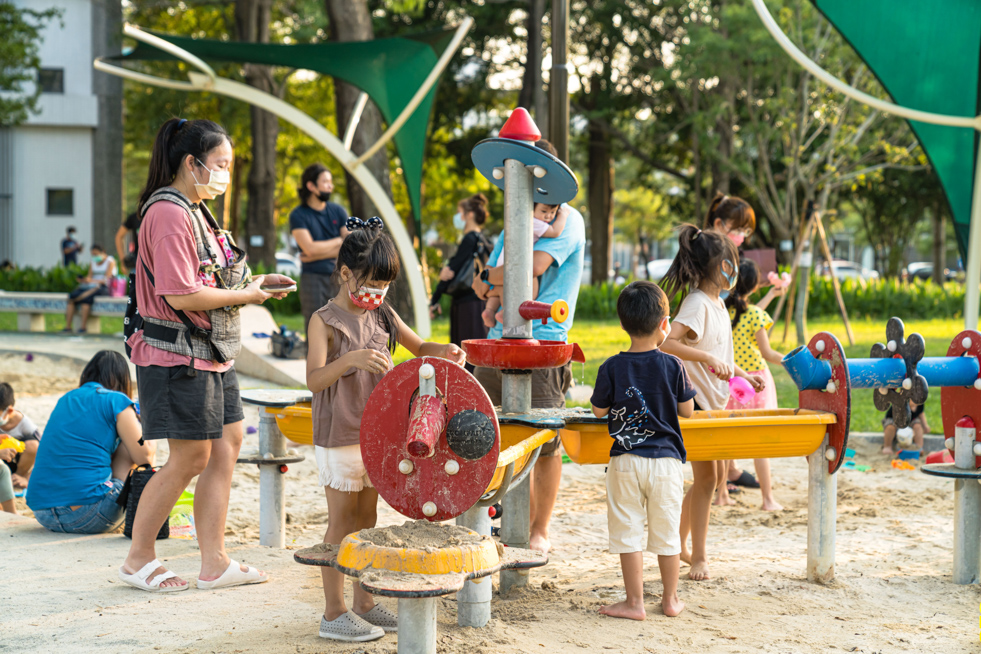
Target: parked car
(924, 270)
(287, 264)
(849, 270)
(657, 268)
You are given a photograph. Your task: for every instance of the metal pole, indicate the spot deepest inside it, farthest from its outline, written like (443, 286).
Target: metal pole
(558, 85)
(417, 626)
(516, 388)
(967, 511)
(822, 509)
(516, 530)
(473, 603)
(272, 490)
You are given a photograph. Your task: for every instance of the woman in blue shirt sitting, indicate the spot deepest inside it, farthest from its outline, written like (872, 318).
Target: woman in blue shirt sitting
(90, 444)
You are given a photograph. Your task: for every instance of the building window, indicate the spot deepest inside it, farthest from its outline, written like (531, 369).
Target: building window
(51, 80)
(61, 202)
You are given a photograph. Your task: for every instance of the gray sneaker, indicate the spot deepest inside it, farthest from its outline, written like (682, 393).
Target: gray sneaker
(349, 627)
(382, 617)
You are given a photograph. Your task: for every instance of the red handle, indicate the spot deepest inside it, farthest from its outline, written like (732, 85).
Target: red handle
(533, 310)
(425, 425)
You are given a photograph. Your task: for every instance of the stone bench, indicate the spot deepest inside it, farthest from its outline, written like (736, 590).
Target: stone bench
(31, 308)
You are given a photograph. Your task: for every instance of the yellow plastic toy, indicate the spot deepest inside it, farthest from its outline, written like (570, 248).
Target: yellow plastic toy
(11, 442)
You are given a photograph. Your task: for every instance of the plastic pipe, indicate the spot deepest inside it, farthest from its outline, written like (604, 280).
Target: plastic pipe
(533, 310)
(426, 424)
(810, 373)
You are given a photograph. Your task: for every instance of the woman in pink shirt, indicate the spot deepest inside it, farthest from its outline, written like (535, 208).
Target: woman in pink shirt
(190, 280)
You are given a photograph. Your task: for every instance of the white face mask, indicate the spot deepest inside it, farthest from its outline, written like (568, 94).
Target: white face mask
(217, 183)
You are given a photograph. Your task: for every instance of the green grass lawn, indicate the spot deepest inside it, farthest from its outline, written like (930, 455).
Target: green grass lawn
(602, 339)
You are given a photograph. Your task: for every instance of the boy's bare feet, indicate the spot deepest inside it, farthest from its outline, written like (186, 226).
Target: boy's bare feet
(540, 543)
(887, 450)
(499, 316)
(488, 316)
(626, 610)
(699, 571)
(771, 505)
(672, 606)
(724, 501)
(685, 556)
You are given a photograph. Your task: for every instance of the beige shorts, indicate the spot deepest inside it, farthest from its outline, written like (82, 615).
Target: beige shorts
(341, 468)
(639, 489)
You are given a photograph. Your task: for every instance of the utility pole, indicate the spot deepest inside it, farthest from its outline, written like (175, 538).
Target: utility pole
(558, 85)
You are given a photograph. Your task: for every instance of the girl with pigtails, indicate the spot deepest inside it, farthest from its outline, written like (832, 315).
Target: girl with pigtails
(351, 341)
(701, 336)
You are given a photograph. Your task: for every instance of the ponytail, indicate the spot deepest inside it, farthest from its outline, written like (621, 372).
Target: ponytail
(749, 279)
(476, 204)
(734, 212)
(176, 139)
(700, 256)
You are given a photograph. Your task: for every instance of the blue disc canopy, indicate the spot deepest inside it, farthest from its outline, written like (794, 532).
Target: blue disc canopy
(557, 186)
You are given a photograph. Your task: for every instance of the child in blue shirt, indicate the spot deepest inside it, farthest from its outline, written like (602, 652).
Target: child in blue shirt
(643, 391)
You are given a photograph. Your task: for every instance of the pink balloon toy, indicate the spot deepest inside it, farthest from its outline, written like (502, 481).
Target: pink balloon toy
(779, 281)
(741, 390)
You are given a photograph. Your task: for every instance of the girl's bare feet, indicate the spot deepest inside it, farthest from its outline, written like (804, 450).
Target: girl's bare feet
(771, 505)
(627, 610)
(888, 451)
(672, 606)
(699, 571)
(725, 500)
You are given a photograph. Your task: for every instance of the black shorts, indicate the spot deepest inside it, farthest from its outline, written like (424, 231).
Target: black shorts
(173, 405)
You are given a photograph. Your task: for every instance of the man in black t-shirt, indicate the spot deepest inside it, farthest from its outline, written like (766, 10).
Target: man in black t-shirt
(70, 248)
(318, 227)
(127, 255)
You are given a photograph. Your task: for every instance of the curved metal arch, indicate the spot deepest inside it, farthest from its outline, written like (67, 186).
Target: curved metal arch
(972, 300)
(208, 80)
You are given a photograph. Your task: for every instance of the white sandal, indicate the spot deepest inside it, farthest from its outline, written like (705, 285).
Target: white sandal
(233, 576)
(381, 616)
(140, 579)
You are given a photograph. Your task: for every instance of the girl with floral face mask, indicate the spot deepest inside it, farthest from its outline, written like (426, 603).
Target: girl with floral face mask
(350, 345)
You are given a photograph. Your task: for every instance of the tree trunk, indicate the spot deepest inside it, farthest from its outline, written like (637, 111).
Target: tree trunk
(252, 19)
(696, 158)
(350, 20)
(532, 94)
(600, 202)
(939, 242)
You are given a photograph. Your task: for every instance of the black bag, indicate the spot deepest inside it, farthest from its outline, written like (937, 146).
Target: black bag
(287, 344)
(130, 498)
(462, 283)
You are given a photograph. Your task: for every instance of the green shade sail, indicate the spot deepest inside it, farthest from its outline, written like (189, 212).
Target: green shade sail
(927, 56)
(389, 70)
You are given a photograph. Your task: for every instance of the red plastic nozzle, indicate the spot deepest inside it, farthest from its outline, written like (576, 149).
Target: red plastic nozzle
(520, 126)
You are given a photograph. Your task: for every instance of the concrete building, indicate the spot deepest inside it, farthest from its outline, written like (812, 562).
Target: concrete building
(63, 166)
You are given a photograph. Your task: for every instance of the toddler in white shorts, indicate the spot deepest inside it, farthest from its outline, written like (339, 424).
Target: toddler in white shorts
(643, 391)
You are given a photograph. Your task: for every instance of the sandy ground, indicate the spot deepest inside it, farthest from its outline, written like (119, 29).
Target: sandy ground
(893, 591)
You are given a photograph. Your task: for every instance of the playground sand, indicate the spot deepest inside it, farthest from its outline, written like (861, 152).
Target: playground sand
(39, 376)
(420, 535)
(892, 594)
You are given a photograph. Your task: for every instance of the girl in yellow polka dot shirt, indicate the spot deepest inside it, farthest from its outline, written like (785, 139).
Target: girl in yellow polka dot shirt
(752, 352)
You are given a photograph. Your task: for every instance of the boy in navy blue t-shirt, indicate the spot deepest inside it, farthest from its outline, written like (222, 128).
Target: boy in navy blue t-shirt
(643, 391)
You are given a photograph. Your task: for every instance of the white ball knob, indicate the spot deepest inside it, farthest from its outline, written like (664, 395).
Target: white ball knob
(429, 509)
(267, 455)
(907, 383)
(292, 451)
(977, 384)
(539, 172)
(966, 342)
(427, 371)
(977, 449)
(831, 387)
(498, 173)
(820, 346)
(949, 444)
(883, 391)
(831, 454)
(452, 467)
(406, 467)
(891, 346)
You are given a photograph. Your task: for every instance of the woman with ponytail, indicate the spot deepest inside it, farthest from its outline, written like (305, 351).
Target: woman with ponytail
(465, 319)
(701, 336)
(752, 349)
(190, 280)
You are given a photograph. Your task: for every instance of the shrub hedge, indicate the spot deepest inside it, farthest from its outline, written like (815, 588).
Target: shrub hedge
(877, 299)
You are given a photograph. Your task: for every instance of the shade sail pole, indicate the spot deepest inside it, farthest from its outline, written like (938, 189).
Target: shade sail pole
(972, 294)
(208, 81)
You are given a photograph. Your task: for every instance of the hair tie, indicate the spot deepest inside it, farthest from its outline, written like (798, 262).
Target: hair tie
(354, 223)
(180, 123)
(697, 234)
